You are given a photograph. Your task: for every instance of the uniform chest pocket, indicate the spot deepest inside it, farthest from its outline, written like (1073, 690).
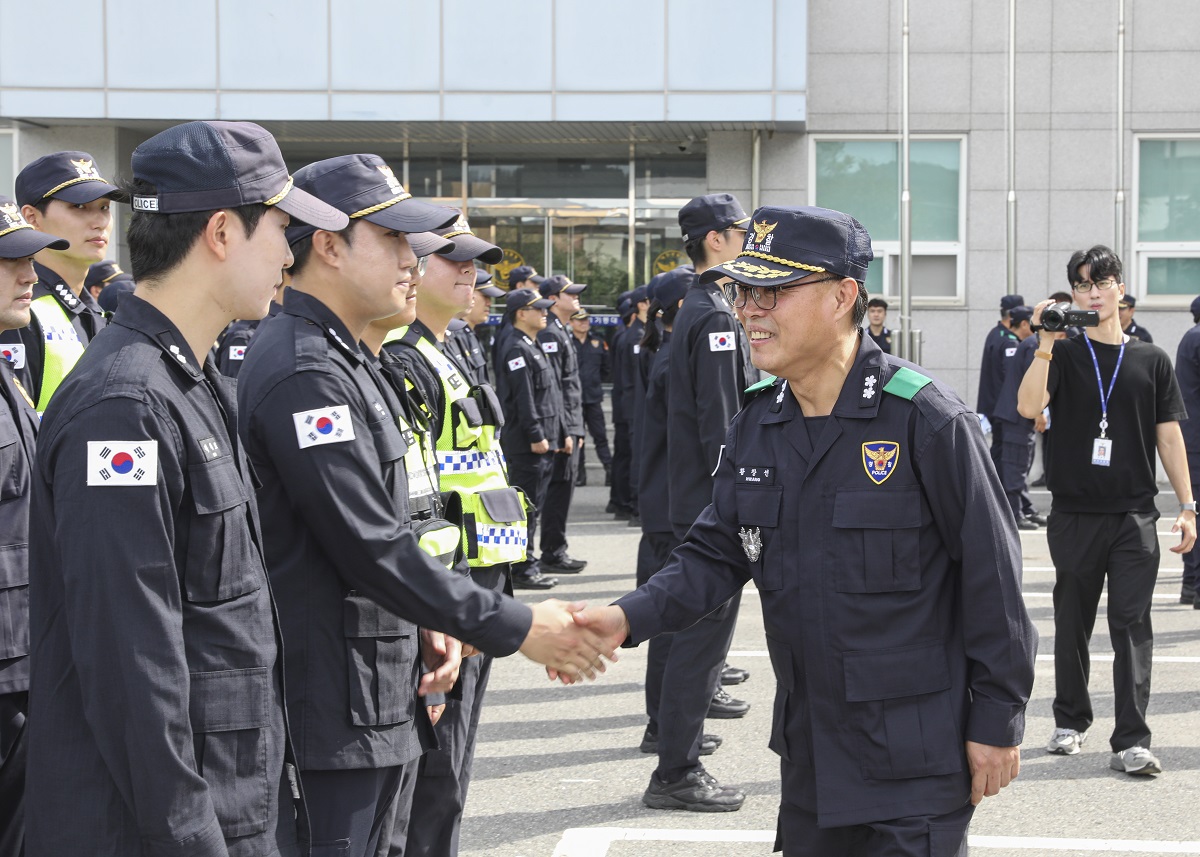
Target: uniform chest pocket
(758, 511)
(876, 540)
(221, 562)
(389, 442)
(542, 374)
(14, 478)
(381, 652)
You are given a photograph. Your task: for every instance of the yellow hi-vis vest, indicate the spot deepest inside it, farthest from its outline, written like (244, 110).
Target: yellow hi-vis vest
(63, 346)
(437, 536)
(470, 463)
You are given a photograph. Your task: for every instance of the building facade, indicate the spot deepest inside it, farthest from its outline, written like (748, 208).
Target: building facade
(572, 132)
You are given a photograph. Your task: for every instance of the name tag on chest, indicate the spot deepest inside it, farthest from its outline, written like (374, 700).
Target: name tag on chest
(756, 475)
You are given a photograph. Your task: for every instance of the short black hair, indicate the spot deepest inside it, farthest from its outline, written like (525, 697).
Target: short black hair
(302, 249)
(695, 251)
(158, 243)
(1061, 297)
(880, 302)
(1102, 264)
(860, 305)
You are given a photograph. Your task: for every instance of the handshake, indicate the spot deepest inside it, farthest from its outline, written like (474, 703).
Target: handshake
(572, 642)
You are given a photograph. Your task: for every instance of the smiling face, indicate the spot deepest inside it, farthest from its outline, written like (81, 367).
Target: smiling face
(807, 318)
(16, 291)
(447, 287)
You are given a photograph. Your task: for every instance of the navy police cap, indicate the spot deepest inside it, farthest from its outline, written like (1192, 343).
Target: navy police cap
(1009, 302)
(788, 243)
(203, 166)
(18, 238)
(103, 273)
(1196, 306)
(69, 176)
(483, 285)
(521, 273)
(468, 245)
(1019, 314)
(522, 298)
(422, 243)
(111, 295)
(711, 213)
(671, 287)
(559, 284)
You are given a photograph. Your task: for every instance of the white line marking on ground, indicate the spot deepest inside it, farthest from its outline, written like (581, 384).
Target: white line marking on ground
(596, 841)
(1096, 658)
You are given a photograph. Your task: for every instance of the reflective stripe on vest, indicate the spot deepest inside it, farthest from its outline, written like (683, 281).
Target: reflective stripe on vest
(472, 471)
(63, 346)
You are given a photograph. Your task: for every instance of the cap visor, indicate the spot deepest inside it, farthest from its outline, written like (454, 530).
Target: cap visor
(755, 272)
(306, 208)
(427, 243)
(541, 303)
(468, 247)
(90, 191)
(491, 291)
(26, 242)
(413, 215)
(575, 288)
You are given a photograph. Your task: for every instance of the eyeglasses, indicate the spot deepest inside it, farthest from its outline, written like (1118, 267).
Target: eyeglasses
(1085, 286)
(764, 297)
(422, 264)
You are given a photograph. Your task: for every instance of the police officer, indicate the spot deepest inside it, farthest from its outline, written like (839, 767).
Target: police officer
(619, 497)
(344, 497)
(626, 378)
(100, 275)
(64, 194)
(1016, 456)
(999, 346)
(558, 344)
(903, 654)
(1127, 307)
(19, 242)
(876, 317)
(591, 352)
(534, 423)
(461, 338)
(1187, 371)
(520, 277)
(186, 749)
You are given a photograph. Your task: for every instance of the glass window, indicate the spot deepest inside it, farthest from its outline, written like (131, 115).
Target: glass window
(8, 141)
(554, 178)
(435, 177)
(1167, 230)
(681, 177)
(1173, 276)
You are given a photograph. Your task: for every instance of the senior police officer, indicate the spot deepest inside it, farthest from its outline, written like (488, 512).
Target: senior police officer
(64, 194)
(856, 492)
(19, 242)
(344, 497)
(158, 692)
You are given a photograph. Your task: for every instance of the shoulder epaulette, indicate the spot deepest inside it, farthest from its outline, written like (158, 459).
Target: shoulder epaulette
(768, 381)
(906, 383)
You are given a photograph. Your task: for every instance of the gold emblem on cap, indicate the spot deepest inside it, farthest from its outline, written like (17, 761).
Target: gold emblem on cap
(12, 218)
(762, 230)
(86, 169)
(460, 227)
(760, 272)
(390, 177)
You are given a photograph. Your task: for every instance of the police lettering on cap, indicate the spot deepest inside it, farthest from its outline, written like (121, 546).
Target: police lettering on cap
(521, 273)
(558, 284)
(18, 238)
(789, 243)
(69, 176)
(422, 243)
(105, 272)
(522, 298)
(203, 166)
(1019, 314)
(364, 186)
(673, 286)
(468, 245)
(712, 213)
(1008, 302)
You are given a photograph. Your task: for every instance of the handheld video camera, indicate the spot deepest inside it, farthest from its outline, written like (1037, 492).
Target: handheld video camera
(1060, 316)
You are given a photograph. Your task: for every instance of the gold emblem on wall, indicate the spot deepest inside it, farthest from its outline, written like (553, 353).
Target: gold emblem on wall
(667, 260)
(500, 271)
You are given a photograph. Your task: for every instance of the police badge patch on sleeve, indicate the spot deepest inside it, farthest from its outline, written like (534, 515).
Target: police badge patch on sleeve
(324, 425)
(751, 542)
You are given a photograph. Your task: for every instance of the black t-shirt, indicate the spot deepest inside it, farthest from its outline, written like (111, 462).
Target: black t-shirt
(1145, 394)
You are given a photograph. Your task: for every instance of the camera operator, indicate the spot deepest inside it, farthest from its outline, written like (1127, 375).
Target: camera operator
(1115, 400)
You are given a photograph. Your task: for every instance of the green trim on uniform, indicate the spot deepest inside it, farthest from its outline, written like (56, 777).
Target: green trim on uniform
(906, 383)
(768, 381)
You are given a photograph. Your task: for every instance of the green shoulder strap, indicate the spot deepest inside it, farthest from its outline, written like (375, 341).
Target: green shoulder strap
(906, 383)
(762, 385)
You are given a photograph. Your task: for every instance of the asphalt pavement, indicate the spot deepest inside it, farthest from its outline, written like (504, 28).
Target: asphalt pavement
(558, 772)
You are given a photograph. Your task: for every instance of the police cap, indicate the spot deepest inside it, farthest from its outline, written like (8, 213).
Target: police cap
(558, 284)
(1009, 302)
(69, 176)
(522, 298)
(468, 245)
(18, 238)
(711, 213)
(521, 273)
(103, 273)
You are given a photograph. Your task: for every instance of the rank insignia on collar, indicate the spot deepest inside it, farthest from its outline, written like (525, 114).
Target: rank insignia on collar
(870, 380)
(751, 542)
(879, 459)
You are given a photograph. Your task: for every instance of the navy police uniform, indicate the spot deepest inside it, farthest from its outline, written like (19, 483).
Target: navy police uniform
(621, 499)
(883, 340)
(1017, 432)
(231, 347)
(998, 346)
(592, 355)
(467, 352)
(1187, 371)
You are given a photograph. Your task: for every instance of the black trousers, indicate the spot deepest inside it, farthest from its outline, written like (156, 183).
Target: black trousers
(622, 460)
(347, 809)
(1086, 549)
(915, 836)
(443, 776)
(13, 708)
(1191, 559)
(593, 418)
(559, 494)
(1016, 457)
(529, 471)
(997, 439)
(688, 665)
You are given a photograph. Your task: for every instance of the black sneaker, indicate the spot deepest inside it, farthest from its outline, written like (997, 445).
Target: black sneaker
(563, 564)
(533, 580)
(1026, 524)
(1040, 482)
(634, 521)
(699, 791)
(1187, 595)
(581, 479)
(708, 743)
(734, 675)
(725, 707)
(1038, 518)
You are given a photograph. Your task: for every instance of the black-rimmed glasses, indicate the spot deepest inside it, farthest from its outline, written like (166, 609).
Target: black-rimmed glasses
(764, 297)
(1085, 286)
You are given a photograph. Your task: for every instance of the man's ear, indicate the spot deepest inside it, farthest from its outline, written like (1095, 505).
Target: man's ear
(33, 216)
(328, 247)
(216, 233)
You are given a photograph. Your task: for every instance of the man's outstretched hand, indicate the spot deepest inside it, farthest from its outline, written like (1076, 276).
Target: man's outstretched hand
(608, 624)
(568, 649)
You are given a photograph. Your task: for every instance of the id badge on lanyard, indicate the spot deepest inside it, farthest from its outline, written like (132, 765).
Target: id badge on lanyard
(1102, 447)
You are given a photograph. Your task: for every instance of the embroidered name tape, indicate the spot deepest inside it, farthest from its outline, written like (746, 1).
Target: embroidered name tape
(760, 475)
(324, 425)
(122, 462)
(14, 354)
(722, 341)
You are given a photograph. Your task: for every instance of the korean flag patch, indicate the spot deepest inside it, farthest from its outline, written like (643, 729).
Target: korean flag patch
(324, 425)
(122, 462)
(550, 347)
(879, 459)
(516, 363)
(723, 341)
(14, 354)
(237, 352)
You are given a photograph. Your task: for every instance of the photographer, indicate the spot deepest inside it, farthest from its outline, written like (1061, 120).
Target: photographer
(1115, 401)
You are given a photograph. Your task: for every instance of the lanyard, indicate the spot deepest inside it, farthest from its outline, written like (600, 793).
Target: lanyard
(1104, 397)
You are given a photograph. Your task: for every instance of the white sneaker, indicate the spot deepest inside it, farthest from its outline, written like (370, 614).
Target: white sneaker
(1136, 760)
(1066, 742)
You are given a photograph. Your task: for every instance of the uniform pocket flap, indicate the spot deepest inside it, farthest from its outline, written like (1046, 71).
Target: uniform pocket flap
(226, 700)
(14, 566)
(878, 510)
(468, 409)
(895, 673)
(781, 660)
(8, 433)
(503, 505)
(759, 506)
(362, 617)
(389, 443)
(217, 486)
